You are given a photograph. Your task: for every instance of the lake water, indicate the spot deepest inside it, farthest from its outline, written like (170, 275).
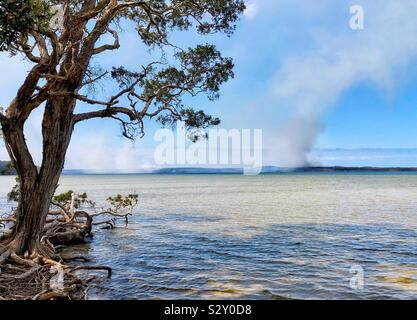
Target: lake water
(263, 237)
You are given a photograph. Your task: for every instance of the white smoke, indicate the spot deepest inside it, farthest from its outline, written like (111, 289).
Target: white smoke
(312, 83)
(294, 139)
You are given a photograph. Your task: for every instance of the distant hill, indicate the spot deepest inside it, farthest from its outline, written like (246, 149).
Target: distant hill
(278, 170)
(198, 171)
(355, 169)
(6, 169)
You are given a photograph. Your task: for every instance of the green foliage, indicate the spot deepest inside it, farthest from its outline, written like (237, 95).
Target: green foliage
(198, 70)
(14, 194)
(206, 64)
(194, 121)
(64, 197)
(117, 203)
(80, 200)
(120, 202)
(6, 168)
(18, 18)
(208, 16)
(154, 19)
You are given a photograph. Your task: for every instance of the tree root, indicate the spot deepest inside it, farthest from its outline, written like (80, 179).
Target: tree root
(4, 256)
(55, 295)
(42, 274)
(40, 278)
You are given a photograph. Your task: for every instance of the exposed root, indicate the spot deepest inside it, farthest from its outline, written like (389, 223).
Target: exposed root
(4, 256)
(66, 224)
(42, 274)
(41, 278)
(25, 279)
(54, 295)
(74, 227)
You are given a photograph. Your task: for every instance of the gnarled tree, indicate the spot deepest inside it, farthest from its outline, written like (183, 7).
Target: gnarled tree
(61, 49)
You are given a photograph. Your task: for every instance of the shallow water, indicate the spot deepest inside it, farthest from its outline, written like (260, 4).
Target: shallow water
(230, 236)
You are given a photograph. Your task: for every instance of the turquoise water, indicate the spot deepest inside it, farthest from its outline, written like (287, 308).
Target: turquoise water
(264, 237)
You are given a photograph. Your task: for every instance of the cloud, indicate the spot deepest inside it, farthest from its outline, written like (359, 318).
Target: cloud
(252, 9)
(364, 157)
(96, 151)
(92, 150)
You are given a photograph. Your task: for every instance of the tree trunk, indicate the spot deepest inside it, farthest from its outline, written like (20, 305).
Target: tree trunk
(37, 187)
(32, 210)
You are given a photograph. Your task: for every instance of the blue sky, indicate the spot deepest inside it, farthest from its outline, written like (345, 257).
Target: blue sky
(322, 92)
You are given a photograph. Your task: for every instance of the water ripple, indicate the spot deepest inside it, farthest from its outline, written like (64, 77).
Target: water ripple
(268, 237)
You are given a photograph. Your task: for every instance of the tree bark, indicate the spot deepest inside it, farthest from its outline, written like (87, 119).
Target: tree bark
(37, 186)
(33, 207)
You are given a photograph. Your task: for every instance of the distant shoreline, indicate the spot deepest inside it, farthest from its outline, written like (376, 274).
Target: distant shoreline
(265, 170)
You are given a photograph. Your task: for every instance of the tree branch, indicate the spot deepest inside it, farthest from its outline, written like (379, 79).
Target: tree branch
(114, 46)
(3, 118)
(106, 113)
(92, 80)
(21, 105)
